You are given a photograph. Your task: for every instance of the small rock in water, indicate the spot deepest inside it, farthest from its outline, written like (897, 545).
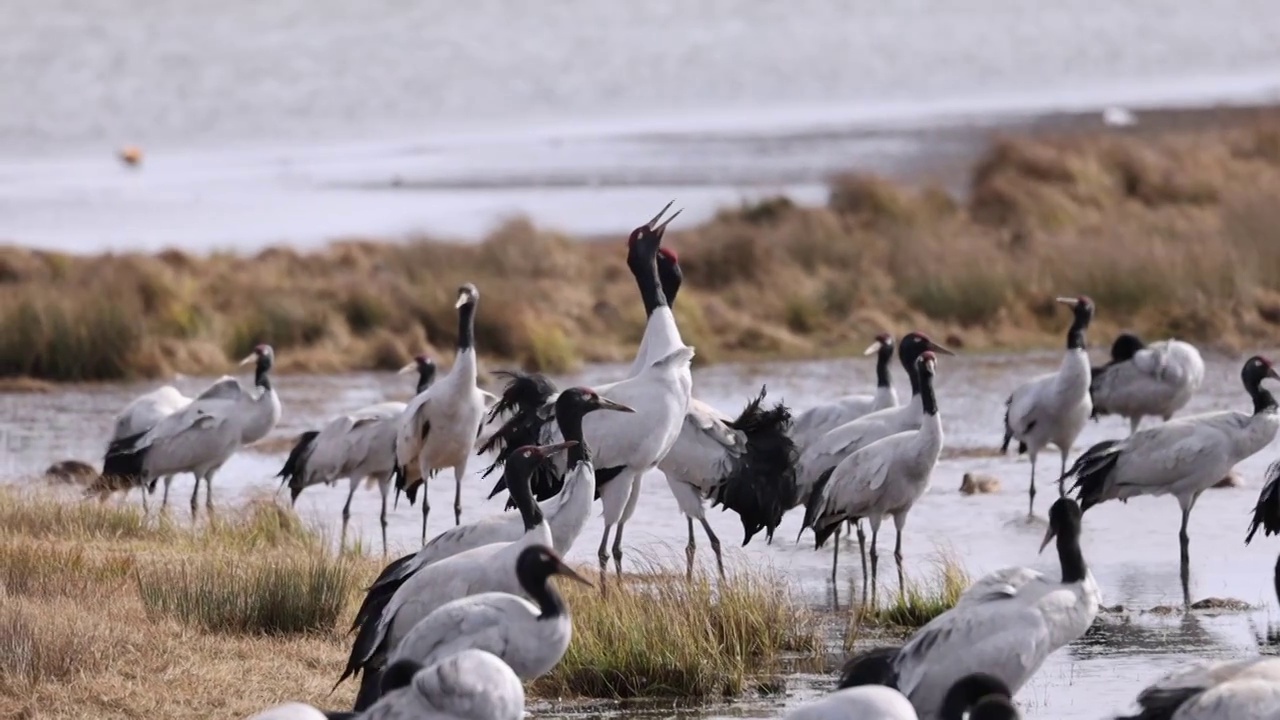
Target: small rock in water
(1163, 610)
(71, 471)
(1216, 603)
(1232, 479)
(978, 483)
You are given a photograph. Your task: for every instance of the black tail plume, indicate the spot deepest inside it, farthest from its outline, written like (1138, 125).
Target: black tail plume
(1091, 471)
(295, 466)
(761, 484)
(814, 506)
(1161, 703)
(873, 667)
(370, 689)
(1266, 514)
(525, 399)
(123, 465)
(1008, 429)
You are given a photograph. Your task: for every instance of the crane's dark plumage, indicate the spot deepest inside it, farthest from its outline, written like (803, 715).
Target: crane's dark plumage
(1091, 469)
(873, 667)
(1266, 514)
(295, 466)
(761, 485)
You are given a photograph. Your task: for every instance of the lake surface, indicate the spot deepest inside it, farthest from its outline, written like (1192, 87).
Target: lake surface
(1132, 548)
(303, 120)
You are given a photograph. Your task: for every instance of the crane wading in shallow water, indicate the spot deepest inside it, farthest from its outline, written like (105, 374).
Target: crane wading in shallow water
(1157, 379)
(439, 427)
(355, 446)
(200, 437)
(1053, 408)
(886, 477)
(1183, 457)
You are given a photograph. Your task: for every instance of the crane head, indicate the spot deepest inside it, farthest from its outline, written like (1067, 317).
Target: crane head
(883, 343)
(669, 273)
(1082, 307)
(1064, 518)
(537, 563)
(649, 236)
(1256, 369)
(467, 295)
(927, 364)
(262, 354)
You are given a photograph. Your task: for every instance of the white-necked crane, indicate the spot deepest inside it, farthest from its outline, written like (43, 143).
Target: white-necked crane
(1005, 625)
(1183, 457)
(566, 513)
(471, 685)
(1222, 690)
(529, 637)
(390, 611)
(624, 446)
(1157, 379)
(354, 446)
(817, 421)
(439, 427)
(821, 456)
(886, 477)
(1053, 408)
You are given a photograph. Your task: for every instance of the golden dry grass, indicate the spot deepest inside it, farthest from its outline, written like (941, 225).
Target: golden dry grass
(107, 614)
(920, 602)
(1173, 230)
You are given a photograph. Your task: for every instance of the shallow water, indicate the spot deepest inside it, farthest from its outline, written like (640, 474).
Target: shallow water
(1132, 549)
(303, 120)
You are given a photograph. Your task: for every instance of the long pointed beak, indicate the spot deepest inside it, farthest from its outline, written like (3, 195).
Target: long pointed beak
(1066, 301)
(663, 227)
(875, 348)
(407, 369)
(654, 222)
(548, 450)
(251, 358)
(607, 404)
(1048, 535)
(1272, 373)
(939, 349)
(462, 300)
(565, 570)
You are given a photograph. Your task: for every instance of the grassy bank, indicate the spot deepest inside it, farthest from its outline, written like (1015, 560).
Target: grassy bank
(1172, 231)
(106, 614)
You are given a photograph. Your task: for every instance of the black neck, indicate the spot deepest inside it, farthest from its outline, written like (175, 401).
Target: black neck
(571, 429)
(926, 396)
(913, 376)
(1277, 578)
(1069, 555)
(261, 378)
(545, 595)
(1075, 336)
(424, 380)
(882, 367)
(994, 709)
(466, 326)
(644, 266)
(671, 286)
(522, 495)
(1263, 400)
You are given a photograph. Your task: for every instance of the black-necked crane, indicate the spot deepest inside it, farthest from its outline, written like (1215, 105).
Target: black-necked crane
(140, 415)
(624, 446)
(886, 477)
(980, 695)
(1005, 625)
(824, 454)
(1053, 408)
(817, 421)
(566, 513)
(1140, 380)
(356, 446)
(1183, 457)
(438, 429)
(531, 637)
(261, 403)
(390, 611)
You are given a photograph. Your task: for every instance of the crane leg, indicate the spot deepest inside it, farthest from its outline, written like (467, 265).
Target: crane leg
(1184, 544)
(603, 555)
(382, 517)
(1134, 422)
(897, 556)
(1031, 503)
(617, 550)
(1062, 475)
(195, 498)
(689, 551)
(208, 493)
(875, 535)
(835, 552)
(457, 495)
(164, 501)
(862, 550)
(346, 515)
(715, 545)
(145, 510)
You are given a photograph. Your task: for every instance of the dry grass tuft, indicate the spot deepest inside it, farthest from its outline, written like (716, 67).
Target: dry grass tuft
(920, 603)
(43, 516)
(35, 652)
(280, 596)
(660, 636)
